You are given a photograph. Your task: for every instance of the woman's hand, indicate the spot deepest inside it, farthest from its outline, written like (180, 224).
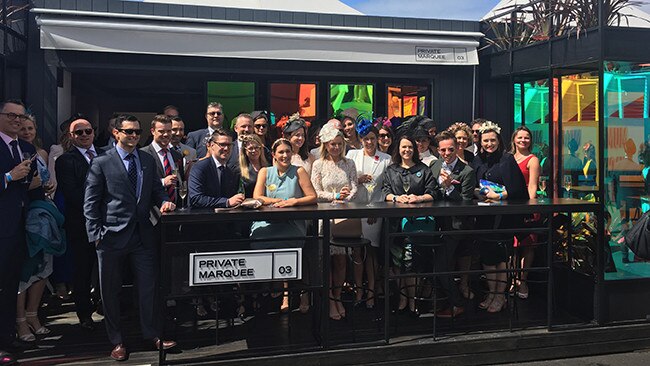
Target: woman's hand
(344, 193)
(414, 199)
(403, 198)
(286, 203)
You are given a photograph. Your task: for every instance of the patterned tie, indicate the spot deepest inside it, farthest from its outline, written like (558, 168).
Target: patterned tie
(221, 170)
(90, 155)
(14, 151)
(171, 190)
(133, 172)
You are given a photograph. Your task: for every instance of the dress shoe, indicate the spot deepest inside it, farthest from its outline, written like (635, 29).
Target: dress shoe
(119, 353)
(451, 312)
(87, 324)
(165, 344)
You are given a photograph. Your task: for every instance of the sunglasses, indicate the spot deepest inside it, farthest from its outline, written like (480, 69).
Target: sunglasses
(475, 131)
(212, 114)
(383, 135)
(261, 126)
(223, 145)
(87, 131)
(130, 131)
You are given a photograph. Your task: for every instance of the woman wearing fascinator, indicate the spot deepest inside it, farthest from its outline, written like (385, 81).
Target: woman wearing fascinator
(296, 132)
(495, 165)
(370, 164)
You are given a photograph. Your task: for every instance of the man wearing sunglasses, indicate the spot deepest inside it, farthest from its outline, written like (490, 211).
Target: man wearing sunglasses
(13, 206)
(197, 139)
(71, 171)
(476, 124)
(121, 191)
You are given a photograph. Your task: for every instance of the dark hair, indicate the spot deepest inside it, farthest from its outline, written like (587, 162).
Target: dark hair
(168, 107)
(304, 149)
(160, 118)
(392, 138)
(480, 121)
(500, 149)
(446, 135)
(278, 142)
(397, 158)
(12, 101)
(513, 149)
(177, 119)
(218, 132)
(125, 118)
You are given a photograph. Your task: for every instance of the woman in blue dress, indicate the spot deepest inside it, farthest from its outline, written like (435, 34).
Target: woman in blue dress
(283, 185)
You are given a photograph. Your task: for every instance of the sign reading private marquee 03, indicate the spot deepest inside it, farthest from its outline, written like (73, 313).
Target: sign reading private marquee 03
(441, 55)
(245, 266)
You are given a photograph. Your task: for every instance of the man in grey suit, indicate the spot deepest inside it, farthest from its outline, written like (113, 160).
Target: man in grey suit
(456, 181)
(197, 139)
(178, 133)
(121, 190)
(243, 126)
(167, 159)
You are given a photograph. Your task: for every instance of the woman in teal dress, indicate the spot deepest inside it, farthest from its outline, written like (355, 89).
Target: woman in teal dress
(283, 185)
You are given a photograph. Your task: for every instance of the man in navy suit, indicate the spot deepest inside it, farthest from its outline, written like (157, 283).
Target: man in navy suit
(71, 172)
(121, 190)
(167, 159)
(196, 139)
(13, 203)
(212, 183)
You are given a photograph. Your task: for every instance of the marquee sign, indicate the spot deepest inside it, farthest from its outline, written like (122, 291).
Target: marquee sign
(218, 268)
(437, 55)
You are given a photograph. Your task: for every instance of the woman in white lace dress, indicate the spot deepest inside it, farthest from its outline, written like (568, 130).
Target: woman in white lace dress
(335, 179)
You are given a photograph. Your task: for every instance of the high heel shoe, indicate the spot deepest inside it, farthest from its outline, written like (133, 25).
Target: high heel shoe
(35, 323)
(498, 304)
(25, 337)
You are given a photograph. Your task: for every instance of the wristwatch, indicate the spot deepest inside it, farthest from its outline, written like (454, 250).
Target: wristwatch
(394, 198)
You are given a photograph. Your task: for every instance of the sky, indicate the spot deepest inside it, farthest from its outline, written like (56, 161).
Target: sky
(439, 9)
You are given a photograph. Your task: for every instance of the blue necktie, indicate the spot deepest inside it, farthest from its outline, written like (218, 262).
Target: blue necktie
(133, 172)
(14, 151)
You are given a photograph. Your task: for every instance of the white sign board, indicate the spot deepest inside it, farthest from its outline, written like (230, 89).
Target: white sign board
(436, 55)
(245, 266)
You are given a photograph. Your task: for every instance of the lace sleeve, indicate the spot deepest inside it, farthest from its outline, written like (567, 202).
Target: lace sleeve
(351, 172)
(317, 182)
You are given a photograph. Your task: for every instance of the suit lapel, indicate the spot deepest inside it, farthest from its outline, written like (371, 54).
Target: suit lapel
(4, 150)
(77, 154)
(435, 169)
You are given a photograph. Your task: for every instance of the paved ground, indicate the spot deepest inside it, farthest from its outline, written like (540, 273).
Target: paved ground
(638, 358)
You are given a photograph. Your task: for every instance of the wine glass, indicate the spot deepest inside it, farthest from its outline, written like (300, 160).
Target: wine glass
(30, 176)
(370, 187)
(182, 193)
(406, 184)
(542, 185)
(334, 191)
(568, 182)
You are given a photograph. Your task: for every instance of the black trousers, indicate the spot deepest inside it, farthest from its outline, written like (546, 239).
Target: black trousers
(85, 260)
(12, 253)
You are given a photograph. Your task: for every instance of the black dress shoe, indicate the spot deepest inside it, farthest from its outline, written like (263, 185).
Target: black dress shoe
(87, 324)
(119, 353)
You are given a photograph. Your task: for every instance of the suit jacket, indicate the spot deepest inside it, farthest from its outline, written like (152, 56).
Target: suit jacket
(463, 191)
(233, 161)
(191, 152)
(196, 140)
(160, 169)
(205, 188)
(14, 199)
(111, 206)
(71, 173)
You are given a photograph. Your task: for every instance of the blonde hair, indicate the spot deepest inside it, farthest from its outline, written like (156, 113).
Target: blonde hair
(244, 162)
(324, 154)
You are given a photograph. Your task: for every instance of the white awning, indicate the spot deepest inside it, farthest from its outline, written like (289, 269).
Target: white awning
(319, 6)
(145, 34)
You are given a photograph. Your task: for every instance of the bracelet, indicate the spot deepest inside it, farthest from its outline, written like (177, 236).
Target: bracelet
(500, 196)
(8, 177)
(337, 196)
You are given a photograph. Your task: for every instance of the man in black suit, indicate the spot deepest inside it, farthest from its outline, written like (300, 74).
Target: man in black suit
(212, 183)
(13, 203)
(167, 159)
(71, 172)
(456, 183)
(243, 126)
(121, 190)
(197, 139)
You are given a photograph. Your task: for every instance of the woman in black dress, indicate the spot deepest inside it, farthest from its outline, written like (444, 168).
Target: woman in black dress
(496, 165)
(407, 180)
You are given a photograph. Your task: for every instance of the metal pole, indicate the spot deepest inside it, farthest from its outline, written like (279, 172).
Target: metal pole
(600, 217)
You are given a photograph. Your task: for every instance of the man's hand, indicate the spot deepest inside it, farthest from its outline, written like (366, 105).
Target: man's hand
(167, 206)
(170, 180)
(446, 178)
(21, 170)
(236, 199)
(403, 199)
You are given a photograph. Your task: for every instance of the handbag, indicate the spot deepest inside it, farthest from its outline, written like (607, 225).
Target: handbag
(422, 224)
(638, 238)
(345, 228)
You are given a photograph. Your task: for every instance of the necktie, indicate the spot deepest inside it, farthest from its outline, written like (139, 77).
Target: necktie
(171, 191)
(133, 172)
(15, 152)
(90, 155)
(221, 179)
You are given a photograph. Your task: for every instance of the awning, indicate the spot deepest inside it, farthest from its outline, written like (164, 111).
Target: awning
(145, 34)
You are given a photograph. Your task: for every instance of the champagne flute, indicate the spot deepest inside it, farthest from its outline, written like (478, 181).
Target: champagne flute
(30, 176)
(406, 184)
(182, 193)
(568, 182)
(334, 192)
(370, 187)
(542, 185)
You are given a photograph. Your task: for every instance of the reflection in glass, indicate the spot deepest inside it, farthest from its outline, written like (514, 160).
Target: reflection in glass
(357, 96)
(404, 101)
(236, 97)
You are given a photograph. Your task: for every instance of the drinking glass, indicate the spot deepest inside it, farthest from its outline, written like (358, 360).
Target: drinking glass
(182, 193)
(370, 187)
(30, 176)
(542, 185)
(568, 182)
(334, 192)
